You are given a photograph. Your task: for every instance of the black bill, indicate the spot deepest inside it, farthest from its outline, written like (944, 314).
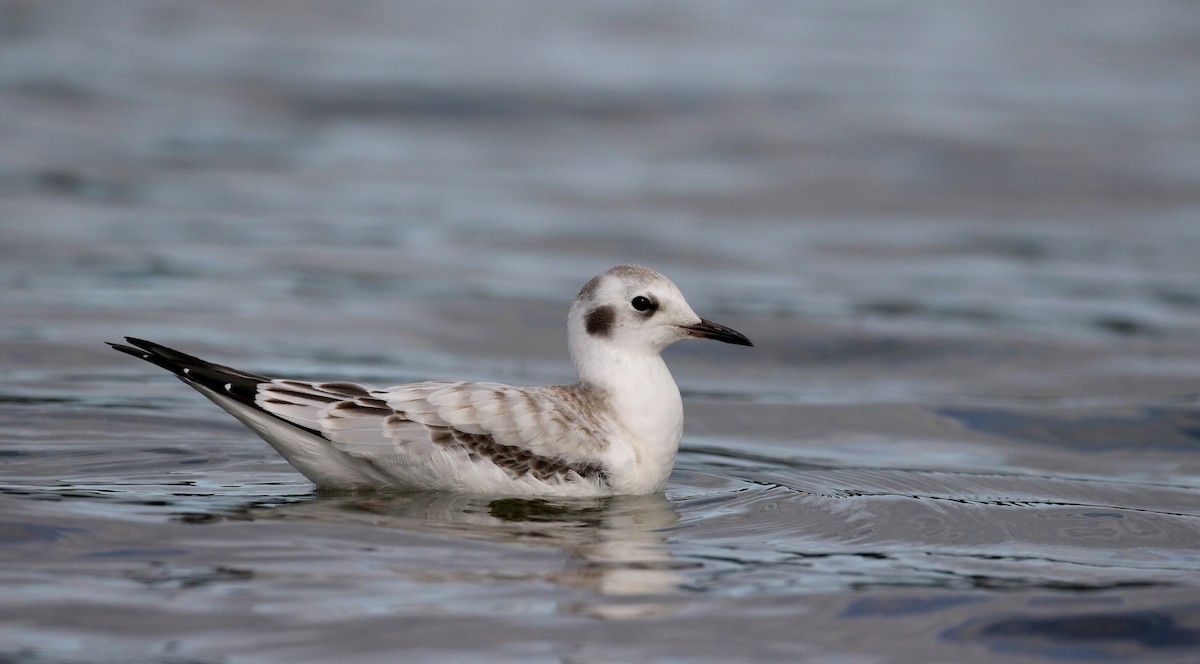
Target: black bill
(710, 330)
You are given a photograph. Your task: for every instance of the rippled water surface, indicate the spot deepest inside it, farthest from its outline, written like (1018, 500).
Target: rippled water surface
(963, 239)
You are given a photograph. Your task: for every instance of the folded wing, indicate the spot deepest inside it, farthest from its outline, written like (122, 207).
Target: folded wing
(548, 433)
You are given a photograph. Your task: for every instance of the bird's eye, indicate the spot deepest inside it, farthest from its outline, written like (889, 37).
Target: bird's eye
(642, 303)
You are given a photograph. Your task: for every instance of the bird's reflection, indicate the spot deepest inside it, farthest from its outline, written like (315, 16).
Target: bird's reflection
(617, 545)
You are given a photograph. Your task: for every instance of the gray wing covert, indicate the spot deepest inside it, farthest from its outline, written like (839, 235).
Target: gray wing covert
(547, 432)
(538, 430)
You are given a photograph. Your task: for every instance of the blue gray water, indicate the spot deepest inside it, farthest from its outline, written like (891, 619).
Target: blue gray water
(963, 237)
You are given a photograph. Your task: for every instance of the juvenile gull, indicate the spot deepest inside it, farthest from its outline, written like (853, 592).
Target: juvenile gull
(615, 431)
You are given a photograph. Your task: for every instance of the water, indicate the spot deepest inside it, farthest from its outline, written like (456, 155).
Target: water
(963, 239)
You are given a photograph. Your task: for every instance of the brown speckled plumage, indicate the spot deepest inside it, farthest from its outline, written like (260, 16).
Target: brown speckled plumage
(575, 411)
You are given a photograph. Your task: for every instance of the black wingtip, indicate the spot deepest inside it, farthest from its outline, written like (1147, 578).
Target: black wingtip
(136, 352)
(239, 384)
(167, 358)
(211, 379)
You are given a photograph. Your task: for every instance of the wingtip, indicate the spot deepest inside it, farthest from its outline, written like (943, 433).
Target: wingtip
(136, 352)
(140, 343)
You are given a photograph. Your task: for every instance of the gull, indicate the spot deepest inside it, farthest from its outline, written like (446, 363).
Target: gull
(615, 431)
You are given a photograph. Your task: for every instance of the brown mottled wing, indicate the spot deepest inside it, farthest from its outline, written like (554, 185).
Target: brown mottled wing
(546, 431)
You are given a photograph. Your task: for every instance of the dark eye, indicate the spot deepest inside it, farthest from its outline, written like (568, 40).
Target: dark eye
(642, 303)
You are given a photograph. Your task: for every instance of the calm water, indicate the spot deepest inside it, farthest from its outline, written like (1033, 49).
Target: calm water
(964, 239)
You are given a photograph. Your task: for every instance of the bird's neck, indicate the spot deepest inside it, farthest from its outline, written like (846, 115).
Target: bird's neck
(641, 390)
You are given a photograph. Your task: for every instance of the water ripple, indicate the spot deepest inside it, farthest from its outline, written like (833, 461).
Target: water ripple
(758, 528)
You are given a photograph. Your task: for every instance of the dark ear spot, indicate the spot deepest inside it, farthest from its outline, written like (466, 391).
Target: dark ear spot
(600, 321)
